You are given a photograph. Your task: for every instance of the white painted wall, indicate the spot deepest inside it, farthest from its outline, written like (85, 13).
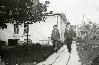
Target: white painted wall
(62, 29)
(37, 31)
(42, 30)
(8, 33)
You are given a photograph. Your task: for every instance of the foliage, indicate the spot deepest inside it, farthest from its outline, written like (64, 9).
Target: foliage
(87, 52)
(96, 61)
(20, 11)
(34, 53)
(91, 25)
(90, 29)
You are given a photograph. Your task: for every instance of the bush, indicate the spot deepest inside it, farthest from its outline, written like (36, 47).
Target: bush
(27, 54)
(96, 61)
(87, 52)
(2, 43)
(1, 53)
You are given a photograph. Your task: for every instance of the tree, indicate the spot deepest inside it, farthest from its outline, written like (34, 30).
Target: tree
(90, 28)
(21, 11)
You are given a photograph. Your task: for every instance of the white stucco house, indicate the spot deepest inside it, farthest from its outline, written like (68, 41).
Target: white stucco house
(38, 32)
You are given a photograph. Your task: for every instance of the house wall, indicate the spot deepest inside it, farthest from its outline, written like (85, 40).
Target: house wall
(37, 31)
(62, 29)
(41, 31)
(8, 33)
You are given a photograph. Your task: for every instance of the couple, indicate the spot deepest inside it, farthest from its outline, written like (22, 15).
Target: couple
(55, 37)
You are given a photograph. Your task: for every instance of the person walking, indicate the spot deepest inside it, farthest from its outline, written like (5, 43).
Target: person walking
(55, 37)
(68, 37)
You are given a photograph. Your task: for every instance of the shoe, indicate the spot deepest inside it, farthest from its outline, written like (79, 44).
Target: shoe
(69, 52)
(56, 51)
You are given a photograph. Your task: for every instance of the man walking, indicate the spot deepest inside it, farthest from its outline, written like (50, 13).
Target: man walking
(68, 37)
(55, 37)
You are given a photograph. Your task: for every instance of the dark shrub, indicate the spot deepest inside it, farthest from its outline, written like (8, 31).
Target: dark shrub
(1, 53)
(38, 46)
(96, 61)
(27, 53)
(2, 43)
(93, 38)
(88, 52)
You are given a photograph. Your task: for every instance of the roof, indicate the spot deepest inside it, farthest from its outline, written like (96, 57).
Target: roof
(60, 14)
(63, 16)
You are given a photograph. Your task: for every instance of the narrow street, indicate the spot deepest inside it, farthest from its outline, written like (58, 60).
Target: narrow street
(62, 57)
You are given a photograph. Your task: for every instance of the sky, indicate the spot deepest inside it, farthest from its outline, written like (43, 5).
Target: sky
(74, 9)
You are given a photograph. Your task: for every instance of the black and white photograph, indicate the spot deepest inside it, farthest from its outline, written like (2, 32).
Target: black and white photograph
(49, 32)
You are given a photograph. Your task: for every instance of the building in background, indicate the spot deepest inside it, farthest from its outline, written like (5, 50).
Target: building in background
(75, 29)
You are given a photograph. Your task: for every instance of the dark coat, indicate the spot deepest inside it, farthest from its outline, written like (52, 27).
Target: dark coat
(68, 33)
(55, 34)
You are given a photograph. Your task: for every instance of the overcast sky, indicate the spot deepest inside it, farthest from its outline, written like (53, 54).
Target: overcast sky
(74, 9)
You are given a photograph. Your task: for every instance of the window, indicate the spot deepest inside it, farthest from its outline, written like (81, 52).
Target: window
(16, 29)
(26, 28)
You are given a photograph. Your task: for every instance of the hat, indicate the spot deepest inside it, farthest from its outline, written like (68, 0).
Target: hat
(54, 26)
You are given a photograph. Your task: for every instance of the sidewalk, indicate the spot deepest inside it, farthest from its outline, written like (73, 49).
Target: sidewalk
(74, 58)
(62, 57)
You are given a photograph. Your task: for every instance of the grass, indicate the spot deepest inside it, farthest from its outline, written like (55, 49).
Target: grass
(27, 54)
(88, 52)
